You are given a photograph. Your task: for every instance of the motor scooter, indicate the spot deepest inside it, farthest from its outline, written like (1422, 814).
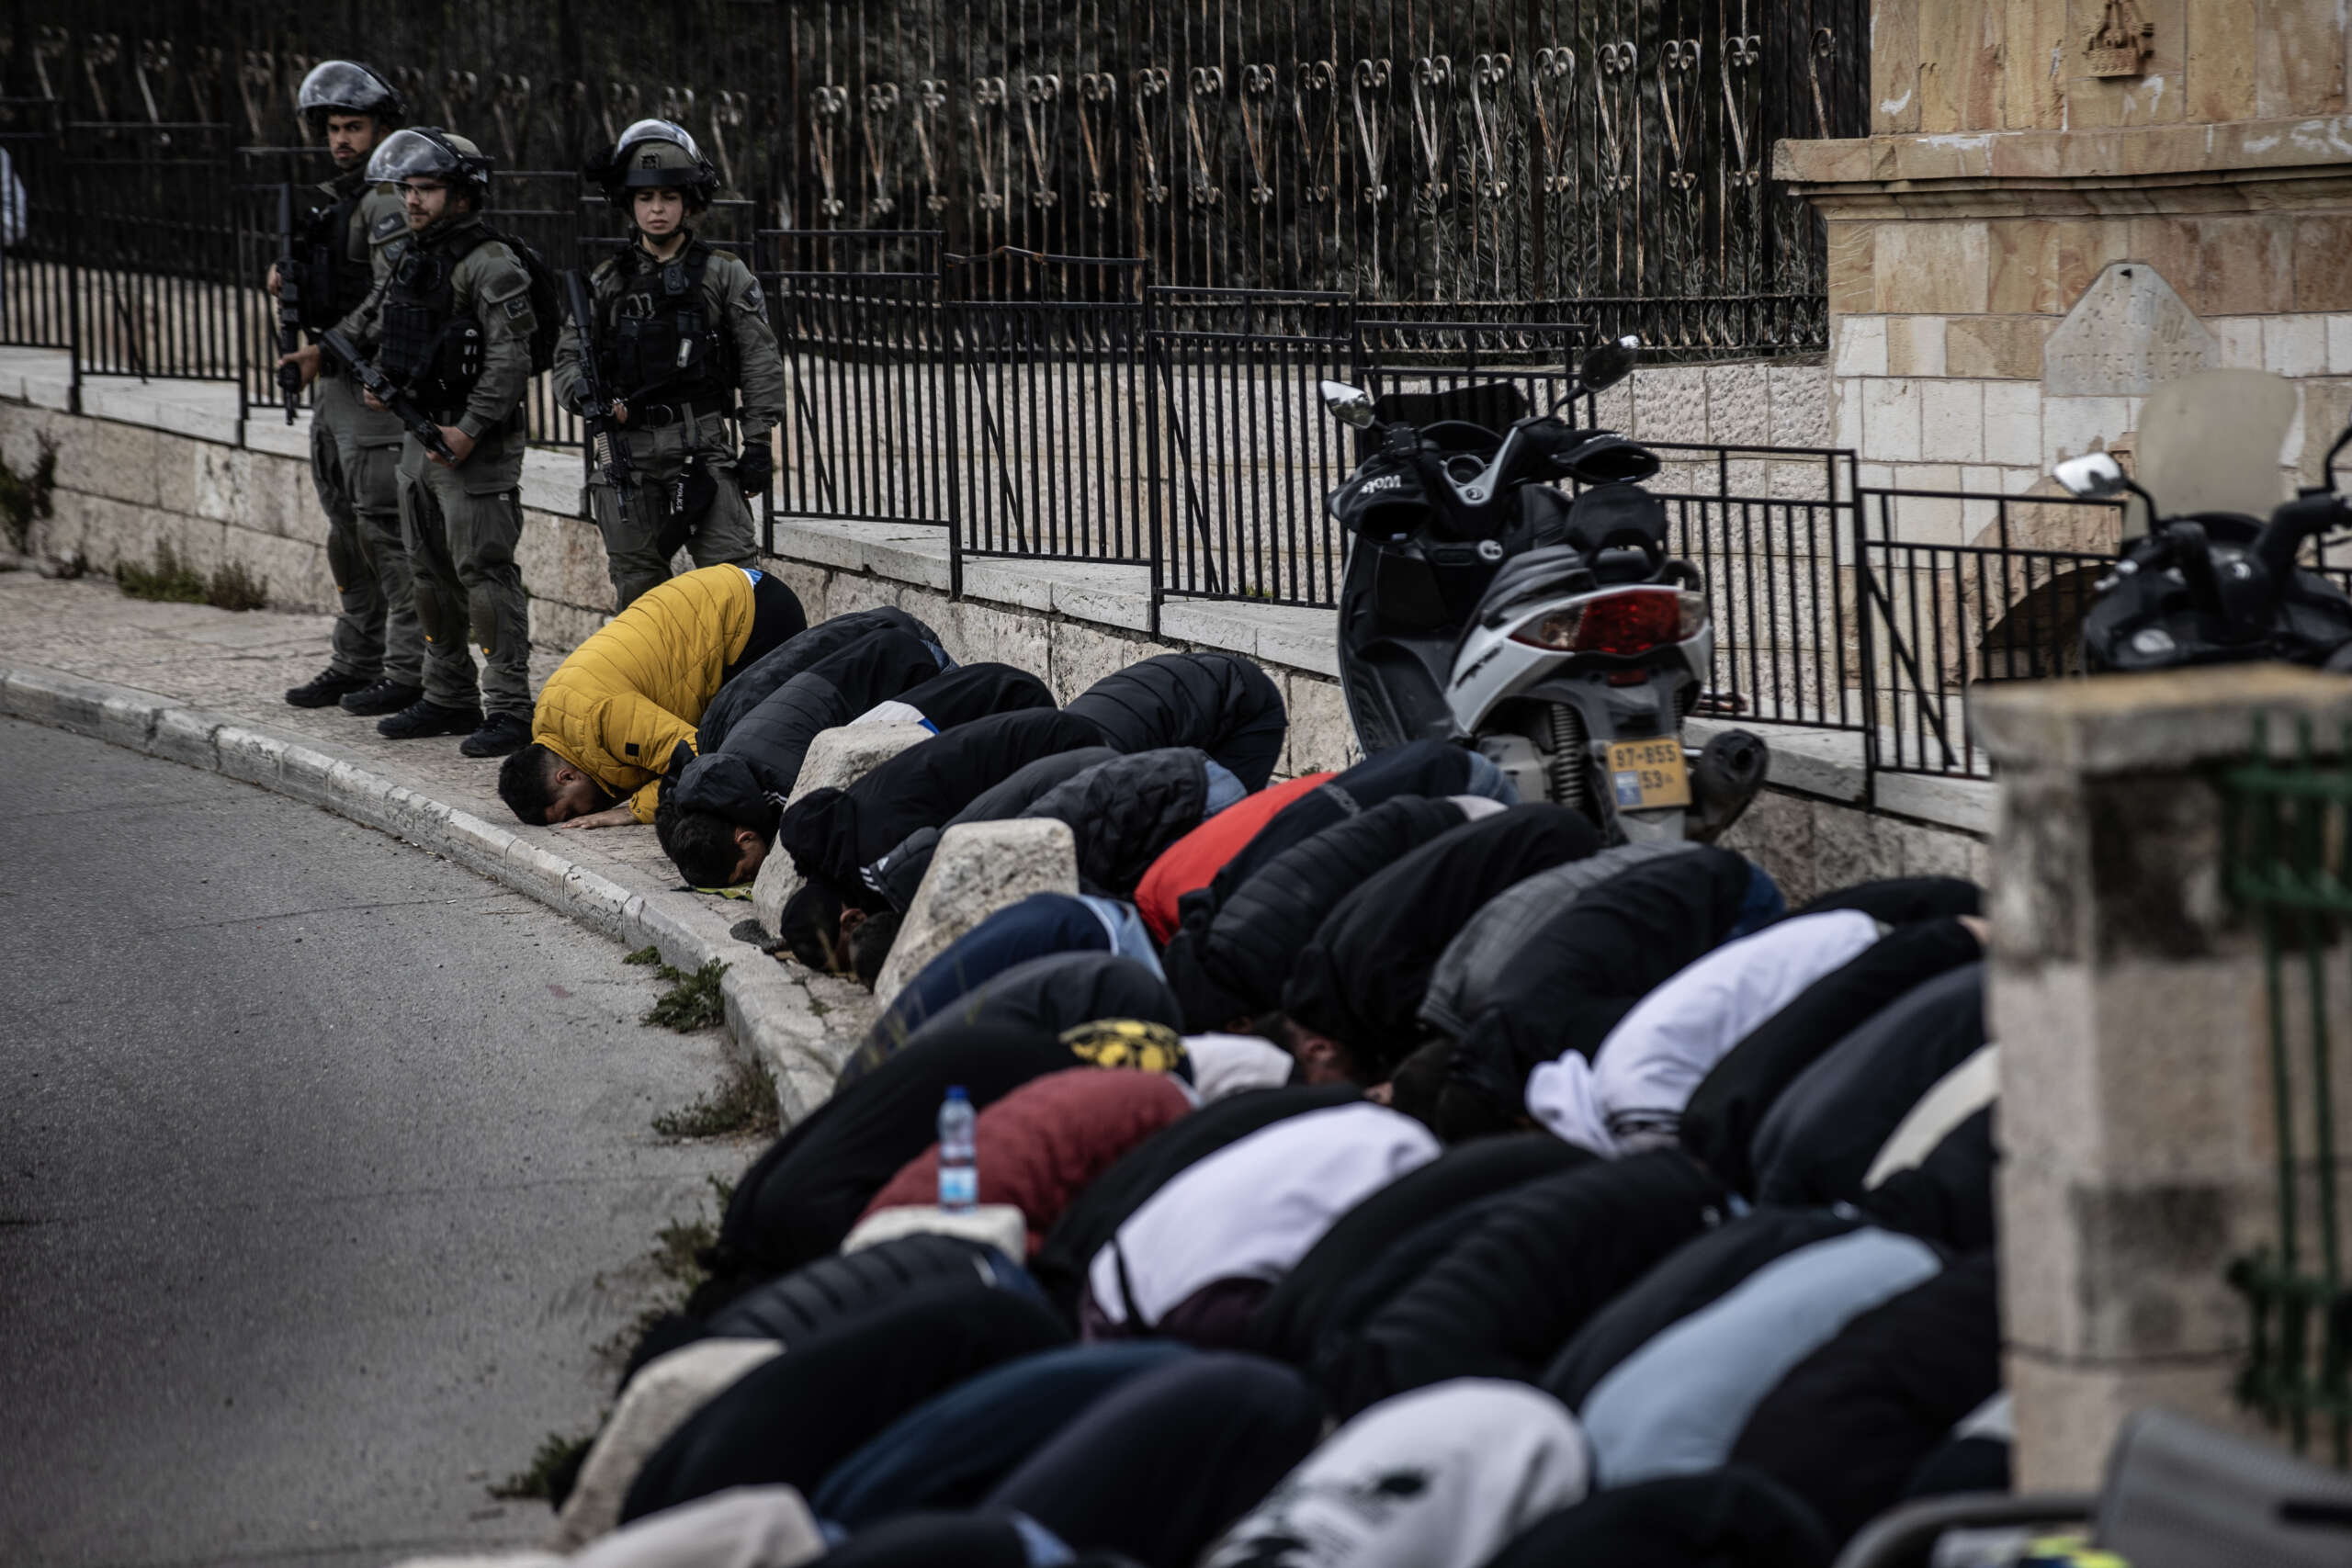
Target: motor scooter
(1483, 605)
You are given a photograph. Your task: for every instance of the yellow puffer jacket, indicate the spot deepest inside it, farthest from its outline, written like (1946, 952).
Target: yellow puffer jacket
(617, 708)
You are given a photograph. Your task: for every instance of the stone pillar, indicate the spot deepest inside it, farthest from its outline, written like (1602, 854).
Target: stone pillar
(2129, 999)
(2005, 175)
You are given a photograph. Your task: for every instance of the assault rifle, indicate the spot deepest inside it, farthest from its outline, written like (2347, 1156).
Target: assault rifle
(290, 300)
(606, 445)
(379, 386)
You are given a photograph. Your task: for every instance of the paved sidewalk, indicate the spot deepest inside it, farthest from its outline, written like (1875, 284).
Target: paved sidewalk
(236, 668)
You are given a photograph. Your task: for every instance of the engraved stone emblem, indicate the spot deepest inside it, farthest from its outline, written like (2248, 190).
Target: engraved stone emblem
(2126, 335)
(2120, 44)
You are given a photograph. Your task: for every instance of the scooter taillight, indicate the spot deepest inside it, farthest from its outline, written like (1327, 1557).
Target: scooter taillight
(1634, 620)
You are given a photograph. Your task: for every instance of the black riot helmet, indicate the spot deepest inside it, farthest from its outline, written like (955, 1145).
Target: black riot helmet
(431, 152)
(346, 86)
(654, 154)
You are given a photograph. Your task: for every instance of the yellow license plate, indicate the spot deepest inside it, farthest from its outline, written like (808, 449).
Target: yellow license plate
(1648, 774)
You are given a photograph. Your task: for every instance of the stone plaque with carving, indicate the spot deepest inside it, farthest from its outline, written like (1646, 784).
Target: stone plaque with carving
(2126, 336)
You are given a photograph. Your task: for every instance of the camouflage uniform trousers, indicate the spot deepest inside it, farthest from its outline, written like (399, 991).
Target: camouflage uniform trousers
(462, 526)
(355, 462)
(635, 525)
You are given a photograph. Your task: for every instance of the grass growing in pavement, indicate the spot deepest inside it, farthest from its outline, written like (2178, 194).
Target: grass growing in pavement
(678, 1248)
(692, 1001)
(743, 1103)
(552, 1473)
(168, 580)
(644, 956)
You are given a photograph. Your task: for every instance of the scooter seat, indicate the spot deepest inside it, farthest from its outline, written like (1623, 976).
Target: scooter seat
(1553, 569)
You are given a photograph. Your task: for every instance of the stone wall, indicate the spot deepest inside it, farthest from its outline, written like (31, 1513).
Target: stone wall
(2002, 178)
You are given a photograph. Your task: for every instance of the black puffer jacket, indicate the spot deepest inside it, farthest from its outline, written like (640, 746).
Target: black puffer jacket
(1947, 1196)
(818, 1296)
(1238, 966)
(1429, 768)
(1046, 995)
(1306, 1301)
(800, 1197)
(959, 696)
(1704, 1270)
(753, 686)
(1219, 703)
(1524, 1278)
(1361, 979)
(1586, 965)
(899, 874)
(755, 767)
(1817, 1140)
(833, 834)
(1848, 1426)
(1095, 1217)
(1719, 1124)
(1900, 900)
(1124, 812)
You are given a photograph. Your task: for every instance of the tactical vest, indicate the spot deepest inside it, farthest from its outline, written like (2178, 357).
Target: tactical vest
(333, 284)
(424, 344)
(665, 344)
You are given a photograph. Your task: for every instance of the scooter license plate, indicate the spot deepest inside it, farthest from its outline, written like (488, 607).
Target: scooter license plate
(1648, 774)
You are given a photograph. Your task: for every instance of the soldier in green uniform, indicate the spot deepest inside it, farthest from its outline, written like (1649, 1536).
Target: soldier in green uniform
(683, 342)
(451, 326)
(355, 450)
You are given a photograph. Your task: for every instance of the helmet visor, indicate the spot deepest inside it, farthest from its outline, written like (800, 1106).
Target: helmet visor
(341, 85)
(657, 130)
(408, 155)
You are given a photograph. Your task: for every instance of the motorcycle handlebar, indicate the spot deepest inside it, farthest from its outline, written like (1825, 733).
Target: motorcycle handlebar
(2190, 554)
(2305, 518)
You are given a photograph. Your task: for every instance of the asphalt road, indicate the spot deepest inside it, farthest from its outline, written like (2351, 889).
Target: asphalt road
(324, 1165)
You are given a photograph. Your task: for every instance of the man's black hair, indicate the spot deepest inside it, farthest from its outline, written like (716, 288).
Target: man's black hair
(869, 943)
(700, 843)
(526, 783)
(1417, 1085)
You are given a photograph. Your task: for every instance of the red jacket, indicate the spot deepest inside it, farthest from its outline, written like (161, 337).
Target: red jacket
(1039, 1147)
(1195, 860)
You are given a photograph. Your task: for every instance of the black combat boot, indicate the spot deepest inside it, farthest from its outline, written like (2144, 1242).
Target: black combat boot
(422, 718)
(501, 735)
(386, 695)
(324, 689)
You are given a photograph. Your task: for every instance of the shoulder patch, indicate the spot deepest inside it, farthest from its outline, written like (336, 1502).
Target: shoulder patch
(518, 307)
(389, 226)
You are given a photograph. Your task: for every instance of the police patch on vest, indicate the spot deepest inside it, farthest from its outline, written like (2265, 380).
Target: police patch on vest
(389, 224)
(518, 307)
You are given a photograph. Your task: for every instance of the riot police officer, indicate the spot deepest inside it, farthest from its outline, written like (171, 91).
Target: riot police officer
(452, 323)
(338, 254)
(681, 333)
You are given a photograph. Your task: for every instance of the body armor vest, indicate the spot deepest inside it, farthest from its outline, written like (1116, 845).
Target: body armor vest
(666, 345)
(333, 284)
(424, 344)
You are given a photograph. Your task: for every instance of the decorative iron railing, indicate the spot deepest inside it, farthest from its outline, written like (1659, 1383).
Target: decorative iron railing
(1611, 156)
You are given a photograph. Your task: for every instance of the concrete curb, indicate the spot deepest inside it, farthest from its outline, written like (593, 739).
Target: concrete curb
(770, 1009)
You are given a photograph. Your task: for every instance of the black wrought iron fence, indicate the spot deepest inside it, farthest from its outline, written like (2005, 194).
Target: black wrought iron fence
(1949, 602)
(1047, 360)
(868, 430)
(1243, 449)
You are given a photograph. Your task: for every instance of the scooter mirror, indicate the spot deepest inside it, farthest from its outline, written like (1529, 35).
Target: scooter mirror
(2094, 475)
(1349, 405)
(1609, 364)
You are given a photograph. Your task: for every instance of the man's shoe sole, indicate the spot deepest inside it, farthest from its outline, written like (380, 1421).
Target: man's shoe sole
(467, 748)
(459, 723)
(380, 709)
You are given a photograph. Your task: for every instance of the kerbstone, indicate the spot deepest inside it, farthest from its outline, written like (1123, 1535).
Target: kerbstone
(979, 868)
(662, 1397)
(836, 759)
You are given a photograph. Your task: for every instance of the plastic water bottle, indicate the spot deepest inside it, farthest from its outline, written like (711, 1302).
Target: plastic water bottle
(959, 1169)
